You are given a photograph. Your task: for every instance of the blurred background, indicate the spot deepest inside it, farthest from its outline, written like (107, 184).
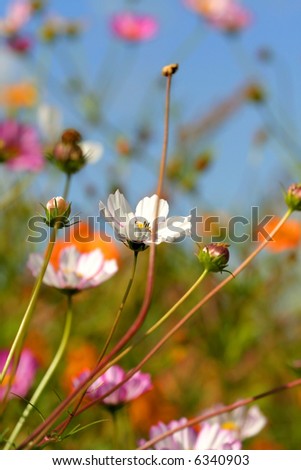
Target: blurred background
(234, 143)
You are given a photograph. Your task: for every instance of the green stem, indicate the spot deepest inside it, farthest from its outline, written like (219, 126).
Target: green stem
(42, 429)
(177, 304)
(225, 409)
(32, 402)
(30, 309)
(162, 319)
(117, 318)
(67, 186)
(113, 329)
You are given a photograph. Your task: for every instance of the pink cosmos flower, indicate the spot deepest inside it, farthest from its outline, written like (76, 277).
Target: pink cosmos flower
(227, 15)
(19, 44)
(24, 376)
(20, 148)
(17, 15)
(133, 388)
(76, 271)
(133, 27)
(210, 437)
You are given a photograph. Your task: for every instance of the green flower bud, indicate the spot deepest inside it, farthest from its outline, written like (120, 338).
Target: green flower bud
(293, 197)
(57, 212)
(67, 154)
(214, 257)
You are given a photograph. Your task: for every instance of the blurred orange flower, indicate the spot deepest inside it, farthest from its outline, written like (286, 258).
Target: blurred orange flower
(18, 95)
(288, 237)
(79, 358)
(86, 239)
(145, 411)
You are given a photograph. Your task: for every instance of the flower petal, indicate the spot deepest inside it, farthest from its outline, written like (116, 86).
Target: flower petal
(93, 151)
(147, 208)
(173, 229)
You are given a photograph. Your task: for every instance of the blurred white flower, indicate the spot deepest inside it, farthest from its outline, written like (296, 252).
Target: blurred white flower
(92, 150)
(210, 437)
(76, 270)
(214, 437)
(244, 422)
(50, 121)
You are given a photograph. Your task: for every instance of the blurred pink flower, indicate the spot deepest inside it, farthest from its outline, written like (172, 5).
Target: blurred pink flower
(20, 148)
(17, 15)
(24, 376)
(76, 271)
(210, 437)
(19, 43)
(133, 388)
(227, 15)
(133, 27)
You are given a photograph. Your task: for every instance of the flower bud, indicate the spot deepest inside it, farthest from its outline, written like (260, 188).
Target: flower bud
(203, 161)
(255, 92)
(293, 197)
(73, 28)
(37, 5)
(67, 154)
(71, 136)
(57, 212)
(170, 69)
(214, 257)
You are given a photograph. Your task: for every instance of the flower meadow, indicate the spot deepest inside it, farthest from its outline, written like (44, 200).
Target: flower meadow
(150, 227)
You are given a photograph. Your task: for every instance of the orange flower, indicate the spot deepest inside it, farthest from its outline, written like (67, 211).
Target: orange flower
(86, 239)
(79, 358)
(18, 95)
(288, 237)
(150, 408)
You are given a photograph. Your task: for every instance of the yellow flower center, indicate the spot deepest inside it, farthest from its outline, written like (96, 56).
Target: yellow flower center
(230, 426)
(143, 225)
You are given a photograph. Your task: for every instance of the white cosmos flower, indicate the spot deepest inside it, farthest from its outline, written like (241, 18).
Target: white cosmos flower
(210, 437)
(135, 228)
(76, 270)
(50, 121)
(92, 150)
(214, 437)
(243, 422)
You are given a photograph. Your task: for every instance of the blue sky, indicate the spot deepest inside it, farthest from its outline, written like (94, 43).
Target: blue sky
(212, 67)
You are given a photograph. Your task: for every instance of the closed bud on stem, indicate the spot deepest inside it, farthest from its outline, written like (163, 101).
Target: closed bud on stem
(214, 257)
(169, 69)
(255, 92)
(37, 5)
(293, 197)
(71, 136)
(57, 212)
(67, 154)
